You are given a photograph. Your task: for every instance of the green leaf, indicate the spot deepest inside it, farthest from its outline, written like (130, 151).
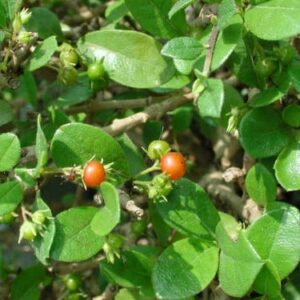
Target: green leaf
(185, 269)
(184, 66)
(153, 17)
(133, 270)
(239, 263)
(5, 113)
(287, 167)
(263, 133)
(116, 11)
(186, 48)
(294, 74)
(189, 210)
(261, 184)
(44, 22)
(130, 58)
(181, 118)
(108, 216)
(134, 156)
(28, 88)
(11, 194)
(210, 102)
(76, 143)
(26, 285)
(41, 146)
(127, 294)
(276, 237)
(260, 19)
(266, 97)
(9, 8)
(10, 151)
(42, 54)
(178, 6)
(227, 9)
(268, 281)
(42, 244)
(74, 238)
(227, 41)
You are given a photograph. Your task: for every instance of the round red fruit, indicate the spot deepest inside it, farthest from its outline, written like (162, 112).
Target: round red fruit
(173, 164)
(93, 174)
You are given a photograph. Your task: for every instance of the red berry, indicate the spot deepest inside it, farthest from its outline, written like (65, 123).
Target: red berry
(93, 174)
(173, 164)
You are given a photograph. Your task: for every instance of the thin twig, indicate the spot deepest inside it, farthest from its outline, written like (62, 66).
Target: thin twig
(154, 111)
(114, 104)
(210, 49)
(108, 293)
(129, 205)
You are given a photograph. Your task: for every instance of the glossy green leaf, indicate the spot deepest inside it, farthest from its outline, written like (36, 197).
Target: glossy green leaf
(116, 11)
(276, 237)
(41, 146)
(227, 41)
(178, 6)
(76, 143)
(263, 133)
(184, 269)
(189, 210)
(274, 20)
(127, 294)
(108, 216)
(74, 238)
(268, 281)
(42, 54)
(134, 270)
(130, 58)
(186, 48)
(44, 22)
(261, 184)
(42, 244)
(26, 285)
(28, 88)
(11, 194)
(287, 167)
(291, 115)
(153, 17)
(227, 9)
(5, 113)
(266, 97)
(210, 102)
(294, 74)
(133, 153)
(184, 66)
(239, 263)
(181, 118)
(10, 151)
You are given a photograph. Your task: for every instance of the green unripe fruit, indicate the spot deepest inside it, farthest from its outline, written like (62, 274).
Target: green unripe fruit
(139, 227)
(7, 219)
(286, 54)
(68, 75)
(266, 67)
(95, 71)
(27, 231)
(69, 57)
(291, 115)
(72, 282)
(38, 217)
(157, 149)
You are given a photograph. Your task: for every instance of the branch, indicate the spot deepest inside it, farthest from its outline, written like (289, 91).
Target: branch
(66, 268)
(154, 111)
(129, 205)
(210, 49)
(114, 104)
(108, 294)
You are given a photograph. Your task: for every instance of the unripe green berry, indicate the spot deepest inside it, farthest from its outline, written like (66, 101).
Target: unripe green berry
(27, 231)
(38, 217)
(157, 149)
(95, 71)
(68, 75)
(69, 57)
(72, 282)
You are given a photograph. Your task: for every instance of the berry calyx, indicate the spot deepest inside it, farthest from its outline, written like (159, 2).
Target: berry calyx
(95, 71)
(93, 174)
(38, 217)
(69, 57)
(173, 164)
(28, 231)
(68, 75)
(157, 149)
